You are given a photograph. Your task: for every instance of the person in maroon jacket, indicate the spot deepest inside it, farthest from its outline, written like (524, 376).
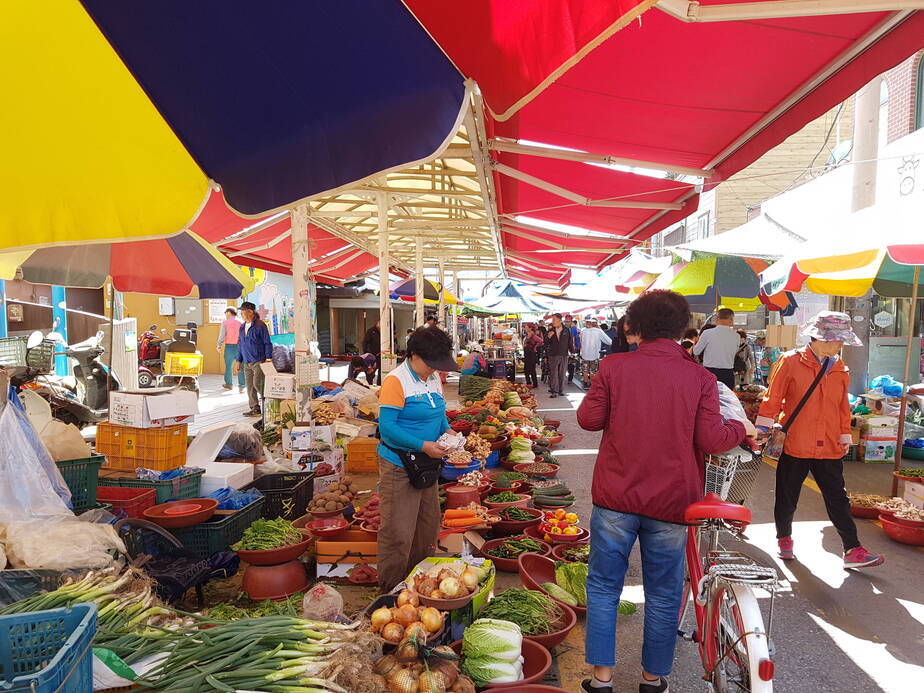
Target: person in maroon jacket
(659, 413)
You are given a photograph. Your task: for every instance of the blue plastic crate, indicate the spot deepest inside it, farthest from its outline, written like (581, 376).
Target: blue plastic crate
(48, 651)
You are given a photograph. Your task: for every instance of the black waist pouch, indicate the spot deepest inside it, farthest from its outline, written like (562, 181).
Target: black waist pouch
(422, 470)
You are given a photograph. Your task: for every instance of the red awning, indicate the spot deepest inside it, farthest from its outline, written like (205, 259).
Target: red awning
(584, 196)
(712, 95)
(515, 49)
(267, 244)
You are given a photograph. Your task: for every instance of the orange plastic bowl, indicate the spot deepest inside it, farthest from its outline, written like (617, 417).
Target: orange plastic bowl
(535, 570)
(183, 513)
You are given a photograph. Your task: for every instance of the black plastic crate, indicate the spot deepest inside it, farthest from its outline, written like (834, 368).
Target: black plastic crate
(287, 494)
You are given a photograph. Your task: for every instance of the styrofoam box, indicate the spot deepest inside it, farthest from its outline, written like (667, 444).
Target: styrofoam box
(221, 474)
(914, 493)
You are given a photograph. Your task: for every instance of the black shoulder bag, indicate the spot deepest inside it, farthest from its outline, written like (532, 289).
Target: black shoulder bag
(774, 445)
(422, 470)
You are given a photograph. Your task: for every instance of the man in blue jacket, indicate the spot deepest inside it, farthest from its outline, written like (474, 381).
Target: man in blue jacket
(254, 348)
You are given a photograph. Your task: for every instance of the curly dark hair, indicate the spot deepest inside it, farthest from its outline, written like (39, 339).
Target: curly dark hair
(659, 315)
(429, 343)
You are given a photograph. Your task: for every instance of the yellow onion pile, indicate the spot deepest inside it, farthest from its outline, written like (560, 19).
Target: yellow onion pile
(448, 583)
(410, 671)
(407, 618)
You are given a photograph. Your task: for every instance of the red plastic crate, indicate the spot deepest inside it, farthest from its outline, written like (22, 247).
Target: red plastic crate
(132, 501)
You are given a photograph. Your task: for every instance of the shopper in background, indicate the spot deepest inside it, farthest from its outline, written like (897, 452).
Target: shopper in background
(228, 335)
(819, 437)
(254, 348)
(475, 363)
(412, 417)
(659, 413)
(769, 357)
(690, 338)
(744, 360)
(718, 347)
(532, 344)
(613, 333)
(624, 342)
(558, 346)
(592, 340)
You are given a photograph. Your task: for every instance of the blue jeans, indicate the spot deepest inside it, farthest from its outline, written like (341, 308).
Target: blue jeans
(230, 358)
(612, 536)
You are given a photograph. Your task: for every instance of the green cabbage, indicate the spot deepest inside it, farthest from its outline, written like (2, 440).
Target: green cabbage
(492, 639)
(523, 444)
(483, 670)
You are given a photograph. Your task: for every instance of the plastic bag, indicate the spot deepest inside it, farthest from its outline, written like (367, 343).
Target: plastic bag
(60, 543)
(275, 465)
(284, 358)
(322, 603)
(887, 385)
(244, 442)
(30, 483)
(64, 441)
(233, 499)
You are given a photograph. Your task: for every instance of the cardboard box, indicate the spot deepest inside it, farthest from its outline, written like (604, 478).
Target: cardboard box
(781, 336)
(338, 571)
(335, 459)
(303, 437)
(351, 427)
(879, 449)
(279, 386)
(914, 493)
(883, 427)
(152, 407)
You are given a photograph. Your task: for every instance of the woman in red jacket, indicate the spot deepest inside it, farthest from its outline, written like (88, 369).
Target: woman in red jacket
(820, 434)
(659, 413)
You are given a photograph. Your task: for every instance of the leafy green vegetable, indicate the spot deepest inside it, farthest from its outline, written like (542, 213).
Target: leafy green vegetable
(516, 514)
(534, 612)
(264, 535)
(577, 554)
(503, 497)
(484, 670)
(510, 476)
(491, 638)
(626, 608)
(573, 578)
(514, 547)
(559, 593)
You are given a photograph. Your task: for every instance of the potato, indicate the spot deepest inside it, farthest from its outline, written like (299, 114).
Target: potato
(330, 505)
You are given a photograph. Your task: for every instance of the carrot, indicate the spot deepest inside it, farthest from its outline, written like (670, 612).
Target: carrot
(457, 513)
(462, 522)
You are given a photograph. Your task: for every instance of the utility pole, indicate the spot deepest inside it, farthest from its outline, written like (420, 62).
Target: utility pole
(865, 155)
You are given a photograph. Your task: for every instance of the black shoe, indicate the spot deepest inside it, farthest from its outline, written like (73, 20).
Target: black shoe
(585, 686)
(252, 412)
(561, 393)
(553, 395)
(659, 686)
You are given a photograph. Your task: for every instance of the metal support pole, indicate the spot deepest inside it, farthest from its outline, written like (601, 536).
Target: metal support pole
(441, 309)
(455, 317)
(418, 284)
(909, 349)
(865, 153)
(304, 288)
(384, 305)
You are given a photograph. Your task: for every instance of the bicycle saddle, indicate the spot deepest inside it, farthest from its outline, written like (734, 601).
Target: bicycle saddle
(712, 507)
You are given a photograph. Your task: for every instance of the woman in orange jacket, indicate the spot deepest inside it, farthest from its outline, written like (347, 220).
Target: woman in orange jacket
(819, 436)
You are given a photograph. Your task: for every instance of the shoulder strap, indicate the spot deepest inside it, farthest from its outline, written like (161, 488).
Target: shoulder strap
(808, 393)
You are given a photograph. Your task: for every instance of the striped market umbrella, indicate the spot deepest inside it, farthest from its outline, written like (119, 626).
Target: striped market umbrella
(172, 266)
(708, 280)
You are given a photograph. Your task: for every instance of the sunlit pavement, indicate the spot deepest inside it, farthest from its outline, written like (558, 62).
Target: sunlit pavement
(834, 630)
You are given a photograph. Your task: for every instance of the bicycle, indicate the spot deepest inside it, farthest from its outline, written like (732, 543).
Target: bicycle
(734, 646)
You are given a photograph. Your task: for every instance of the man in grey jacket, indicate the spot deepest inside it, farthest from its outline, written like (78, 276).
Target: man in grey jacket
(558, 346)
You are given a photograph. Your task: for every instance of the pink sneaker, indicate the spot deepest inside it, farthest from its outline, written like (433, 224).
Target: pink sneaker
(861, 558)
(786, 549)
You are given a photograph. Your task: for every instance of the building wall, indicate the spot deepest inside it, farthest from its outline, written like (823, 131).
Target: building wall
(796, 160)
(903, 97)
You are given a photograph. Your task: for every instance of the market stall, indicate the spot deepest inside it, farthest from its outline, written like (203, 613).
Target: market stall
(168, 534)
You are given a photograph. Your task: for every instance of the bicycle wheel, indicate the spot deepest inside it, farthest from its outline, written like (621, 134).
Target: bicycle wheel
(737, 639)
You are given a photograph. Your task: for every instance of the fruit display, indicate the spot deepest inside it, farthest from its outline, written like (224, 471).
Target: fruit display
(559, 522)
(406, 619)
(370, 514)
(449, 580)
(337, 497)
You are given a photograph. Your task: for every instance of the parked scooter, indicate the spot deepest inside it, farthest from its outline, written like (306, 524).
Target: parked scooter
(81, 399)
(151, 348)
